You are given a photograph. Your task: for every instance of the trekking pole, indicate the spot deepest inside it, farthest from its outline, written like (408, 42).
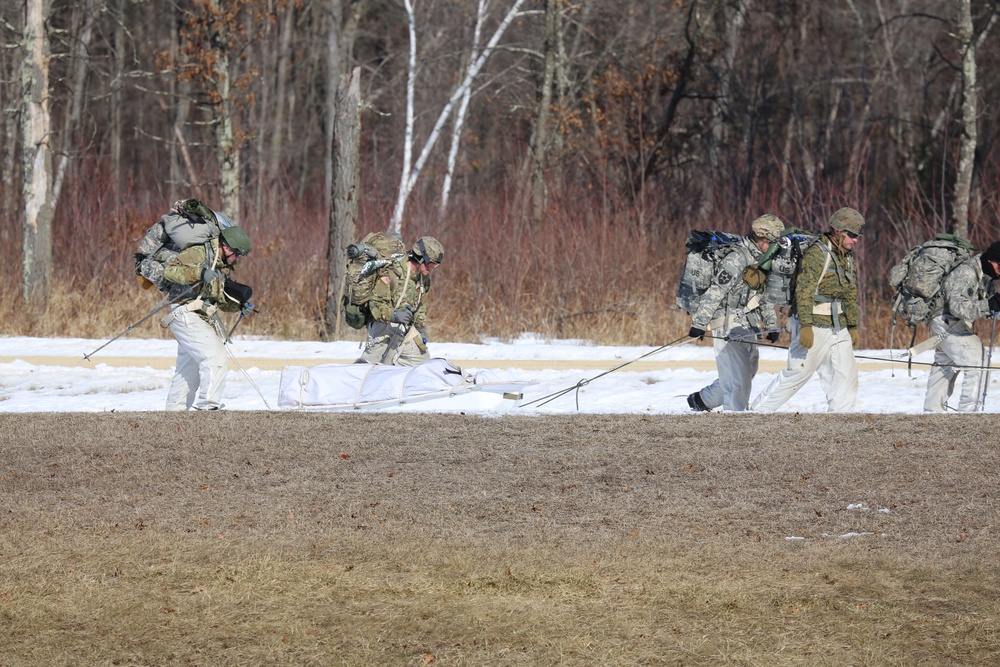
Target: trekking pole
(582, 383)
(989, 362)
(229, 336)
(397, 336)
(167, 301)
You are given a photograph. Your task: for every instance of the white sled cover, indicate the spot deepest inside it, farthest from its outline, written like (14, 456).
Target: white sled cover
(346, 386)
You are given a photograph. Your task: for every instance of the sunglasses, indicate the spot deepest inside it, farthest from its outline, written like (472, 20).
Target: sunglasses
(852, 235)
(235, 251)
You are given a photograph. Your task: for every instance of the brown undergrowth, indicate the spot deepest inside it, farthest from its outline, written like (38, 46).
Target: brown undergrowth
(360, 539)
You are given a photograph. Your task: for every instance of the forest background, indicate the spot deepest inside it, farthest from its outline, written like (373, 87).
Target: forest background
(562, 180)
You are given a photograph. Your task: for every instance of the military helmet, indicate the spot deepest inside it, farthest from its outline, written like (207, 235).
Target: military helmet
(847, 220)
(767, 226)
(427, 250)
(236, 239)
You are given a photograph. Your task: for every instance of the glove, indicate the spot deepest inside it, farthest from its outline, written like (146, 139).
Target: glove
(806, 336)
(773, 336)
(246, 309)
(695, 332)
(423, 334)
(854, 337)
(754, 277)
(208, 275)
(402, 316)
(995, 303)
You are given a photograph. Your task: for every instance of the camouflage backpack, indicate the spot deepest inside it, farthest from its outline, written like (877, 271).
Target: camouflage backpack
(194, 224)
(919, 277)
(705, 249)
(377, 255)
(781, 263)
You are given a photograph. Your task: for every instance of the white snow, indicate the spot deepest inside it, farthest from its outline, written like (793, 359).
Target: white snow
(75, 385)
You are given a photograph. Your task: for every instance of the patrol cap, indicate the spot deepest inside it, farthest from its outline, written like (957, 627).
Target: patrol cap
(847, 220)
(427, 250)
(236, 238)
(767, 226)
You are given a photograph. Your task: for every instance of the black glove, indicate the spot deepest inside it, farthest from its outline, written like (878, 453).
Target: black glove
(208, 275)
(402, 316)
(773, 336)
(995, 303)
(695, 332)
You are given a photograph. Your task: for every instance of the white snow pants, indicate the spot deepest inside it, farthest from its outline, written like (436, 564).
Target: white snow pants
(392, 344)
(200, 373)
(958, 347)
(831, 356)
(737, 361)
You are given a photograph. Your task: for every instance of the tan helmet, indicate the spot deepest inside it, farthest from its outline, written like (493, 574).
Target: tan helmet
(848, 220)
(767, 226)
(427, 250)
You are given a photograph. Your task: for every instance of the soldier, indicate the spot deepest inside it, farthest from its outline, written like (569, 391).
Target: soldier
(733, 310)
(200, 372)
(397, 328)
(968, 296)
(824, 321)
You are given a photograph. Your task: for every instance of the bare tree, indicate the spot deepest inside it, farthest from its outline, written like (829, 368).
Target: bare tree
(411, 171)
(344, 211)
(967, 151)
(36, 155)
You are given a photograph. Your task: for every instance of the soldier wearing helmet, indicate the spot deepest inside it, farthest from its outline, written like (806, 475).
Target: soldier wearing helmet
(824, 319)
(201, 286)
(733, 310)
(399, 337)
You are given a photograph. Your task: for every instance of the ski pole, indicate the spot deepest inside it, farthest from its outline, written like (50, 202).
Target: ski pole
(167, 301)
(989, 361)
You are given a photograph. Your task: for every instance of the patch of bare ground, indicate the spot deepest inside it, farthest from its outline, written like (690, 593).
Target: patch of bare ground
(387, 539)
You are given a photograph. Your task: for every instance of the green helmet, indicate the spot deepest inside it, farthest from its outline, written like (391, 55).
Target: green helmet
(427, 250)
(236, 238)
(848, 220)
(767, 227)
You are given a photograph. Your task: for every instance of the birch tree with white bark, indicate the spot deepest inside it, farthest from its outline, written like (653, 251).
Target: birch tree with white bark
(36, 155)
(411, 170)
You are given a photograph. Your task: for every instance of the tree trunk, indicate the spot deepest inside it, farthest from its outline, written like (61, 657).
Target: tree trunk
(36, 156)
(72, 118)
(967, 152)
(346, 183)
(117, 121)
(335, 14)
(540, 138)
(227, 148)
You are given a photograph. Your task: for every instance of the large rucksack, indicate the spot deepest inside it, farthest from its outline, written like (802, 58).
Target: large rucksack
(705, 249)
(781, 263)
(194, 224)
(376, 256)
(919, 277)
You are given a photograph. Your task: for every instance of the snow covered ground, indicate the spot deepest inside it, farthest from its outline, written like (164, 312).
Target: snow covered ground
(51, 375)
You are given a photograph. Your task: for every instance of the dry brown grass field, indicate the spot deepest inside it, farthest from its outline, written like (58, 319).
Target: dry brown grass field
(384, 539)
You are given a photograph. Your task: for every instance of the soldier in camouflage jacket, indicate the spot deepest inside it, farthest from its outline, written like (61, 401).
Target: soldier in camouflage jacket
(824, 322)
(397, 326)
(200, 372)
(968, 296)
(734, 312)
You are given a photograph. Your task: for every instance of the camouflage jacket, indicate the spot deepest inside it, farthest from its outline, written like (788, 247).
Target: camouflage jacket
(967, 290)
(727, 298)
(391, 292)
(827, 274)
(185, 269)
